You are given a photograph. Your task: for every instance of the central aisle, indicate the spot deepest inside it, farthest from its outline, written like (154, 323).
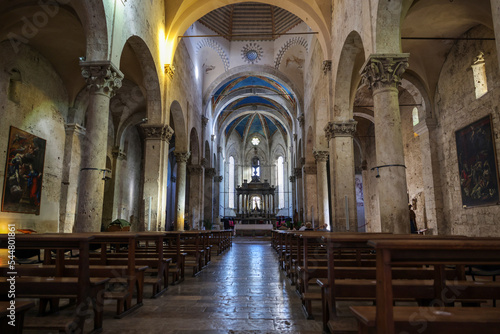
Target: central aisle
(241, 291)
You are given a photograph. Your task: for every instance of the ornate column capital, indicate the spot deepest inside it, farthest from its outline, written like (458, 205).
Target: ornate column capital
(298, 173)
(212, 137)
(210, 172)
(182, 156)
(301, 120)
(310, 169)
(340, 129)
(169, 70)
(102, 77)
(195, 169)
(218, 178)
(157, 131)
(204, 121)
(118, 154)
(321, 156)
(327, 66)
(219, 149)
(292, 178)
(384, 70)
(75, 128)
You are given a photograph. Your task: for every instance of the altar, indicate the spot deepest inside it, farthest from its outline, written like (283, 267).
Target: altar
(253, 229)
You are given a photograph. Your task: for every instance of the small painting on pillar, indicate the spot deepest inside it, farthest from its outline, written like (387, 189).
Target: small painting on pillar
(22, 187)
(477, 164)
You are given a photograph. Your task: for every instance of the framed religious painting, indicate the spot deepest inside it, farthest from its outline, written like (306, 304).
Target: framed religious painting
(477, 163)
(22, 186)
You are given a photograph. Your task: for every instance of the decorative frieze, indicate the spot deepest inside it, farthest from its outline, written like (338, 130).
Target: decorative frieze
(102, 77)
(340, 129)
(321, 156)
(182, 157)
(384, 70)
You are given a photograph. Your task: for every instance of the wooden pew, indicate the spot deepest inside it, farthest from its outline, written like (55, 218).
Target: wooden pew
(19, 309)
(438, 318)
(83, 288)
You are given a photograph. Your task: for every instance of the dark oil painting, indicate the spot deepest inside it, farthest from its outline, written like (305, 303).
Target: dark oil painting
(22, 187)
(477, 164)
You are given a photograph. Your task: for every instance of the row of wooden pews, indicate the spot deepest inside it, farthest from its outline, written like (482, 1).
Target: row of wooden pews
(118, 268)
(426, 277)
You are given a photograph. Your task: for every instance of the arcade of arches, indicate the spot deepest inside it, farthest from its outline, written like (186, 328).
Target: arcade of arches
(158, 112)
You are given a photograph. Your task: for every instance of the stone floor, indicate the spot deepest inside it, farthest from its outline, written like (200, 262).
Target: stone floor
(241, 291)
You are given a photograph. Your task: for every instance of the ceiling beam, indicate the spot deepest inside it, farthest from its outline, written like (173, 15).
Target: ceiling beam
(251, 35)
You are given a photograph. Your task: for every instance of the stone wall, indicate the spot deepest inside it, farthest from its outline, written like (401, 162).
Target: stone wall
(457, 107)
(41, 109)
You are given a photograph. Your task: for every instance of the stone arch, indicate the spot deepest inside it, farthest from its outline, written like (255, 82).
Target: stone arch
(292, 41)
(210, 43)
(93, 17)
(309, 145)
(390, 14)
(189, 12)
(426, 111)
(347, 79)
(179, 126)
(194, 146)
(149, 82)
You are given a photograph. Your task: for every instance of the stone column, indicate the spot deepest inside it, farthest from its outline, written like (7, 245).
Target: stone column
(182, 158)
(382, 73)
(195, 193)
(310, 192)
(340, 136)
(495, 12)
(294, 207)
(208, 201)
(71, 167)
(156, 139)
(217, 196)
(110, 207)
(323, 211)
(426, 131)
(299, 189)
(103, 79)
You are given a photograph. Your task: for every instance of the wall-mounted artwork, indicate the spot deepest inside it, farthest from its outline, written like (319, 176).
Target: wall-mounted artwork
(22, 187)
(477, 164)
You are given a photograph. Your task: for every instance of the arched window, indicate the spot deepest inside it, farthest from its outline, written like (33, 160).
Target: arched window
(479, 71)
(231, 182)
(281, 184)
(414, 115)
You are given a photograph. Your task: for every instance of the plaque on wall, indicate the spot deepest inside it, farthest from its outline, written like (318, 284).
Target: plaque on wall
(22, 187)
(477, 164)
